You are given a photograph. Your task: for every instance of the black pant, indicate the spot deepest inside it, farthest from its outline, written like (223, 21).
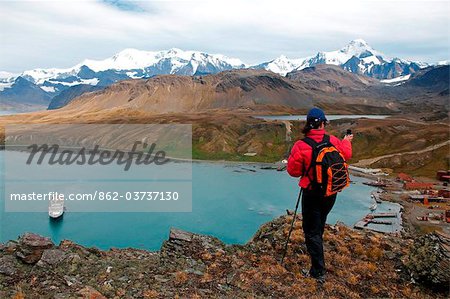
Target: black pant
(315, 209)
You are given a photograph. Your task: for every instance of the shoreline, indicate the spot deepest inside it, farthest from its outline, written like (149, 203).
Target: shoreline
(409, 211)
(406, 207)
(293, 187)
(204, 267)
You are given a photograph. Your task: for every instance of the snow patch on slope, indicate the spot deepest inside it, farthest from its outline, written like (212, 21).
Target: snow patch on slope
(5, 85)
(396, 80)
(93, 81)
(39, 76)
(49, 89)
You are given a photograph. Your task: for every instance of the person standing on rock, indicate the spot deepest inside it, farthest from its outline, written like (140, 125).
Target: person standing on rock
(317, 200)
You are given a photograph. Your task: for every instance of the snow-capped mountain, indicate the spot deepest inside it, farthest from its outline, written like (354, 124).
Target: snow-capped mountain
(356, 48)
(175, 61)
(356, 57)
(21, 94)
(129, 63)
(281, 65)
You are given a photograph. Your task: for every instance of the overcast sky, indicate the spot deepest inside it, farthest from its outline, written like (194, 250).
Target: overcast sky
(63, 33)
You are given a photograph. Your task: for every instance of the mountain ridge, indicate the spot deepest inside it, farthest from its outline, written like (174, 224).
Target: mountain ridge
(238, 89)
(133, 59)
(356, 57)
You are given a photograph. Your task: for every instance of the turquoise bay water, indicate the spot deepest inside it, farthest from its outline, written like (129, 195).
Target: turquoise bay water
(229, 202)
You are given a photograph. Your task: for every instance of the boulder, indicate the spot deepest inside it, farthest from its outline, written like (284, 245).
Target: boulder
(52, 257)
(184, 249)
(8, 265)
(178, 234)
(429, 260)
(31, 246)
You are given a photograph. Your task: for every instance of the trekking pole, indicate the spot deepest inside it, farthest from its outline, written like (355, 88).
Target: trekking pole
(292, 226)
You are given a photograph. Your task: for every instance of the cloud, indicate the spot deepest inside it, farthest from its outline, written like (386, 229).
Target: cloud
(62, 33)
(125, 5)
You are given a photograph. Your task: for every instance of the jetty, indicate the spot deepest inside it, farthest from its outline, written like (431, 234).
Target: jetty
(376, 196)
(374, 221)
(372, 218)
(382, 215)
(375, 184)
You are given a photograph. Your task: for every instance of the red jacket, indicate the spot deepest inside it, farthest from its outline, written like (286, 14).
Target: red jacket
(301, 155)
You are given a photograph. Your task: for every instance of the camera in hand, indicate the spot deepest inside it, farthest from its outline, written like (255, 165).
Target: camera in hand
(349, 132)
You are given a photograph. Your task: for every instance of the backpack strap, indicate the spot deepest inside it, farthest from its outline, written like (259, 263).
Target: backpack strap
(309, 141)
(313, 144)
(326, 139)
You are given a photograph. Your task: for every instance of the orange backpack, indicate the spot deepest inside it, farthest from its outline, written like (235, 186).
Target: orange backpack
(330, 170)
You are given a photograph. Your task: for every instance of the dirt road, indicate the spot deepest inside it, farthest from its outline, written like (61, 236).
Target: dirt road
(368, 162)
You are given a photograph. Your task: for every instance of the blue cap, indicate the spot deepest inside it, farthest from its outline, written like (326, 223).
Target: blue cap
(316, 114)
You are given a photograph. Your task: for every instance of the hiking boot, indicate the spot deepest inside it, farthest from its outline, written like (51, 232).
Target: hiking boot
(320, 279)
(307, 274)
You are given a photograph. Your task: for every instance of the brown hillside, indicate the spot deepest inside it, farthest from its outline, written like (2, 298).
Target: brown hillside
(228, 135)
(253, 89)
(330, 78)
(173, 93)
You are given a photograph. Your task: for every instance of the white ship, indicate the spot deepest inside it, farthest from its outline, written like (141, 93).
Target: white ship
(55, 208)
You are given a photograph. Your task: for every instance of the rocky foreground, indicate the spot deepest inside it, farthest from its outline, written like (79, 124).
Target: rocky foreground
(360, 264)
